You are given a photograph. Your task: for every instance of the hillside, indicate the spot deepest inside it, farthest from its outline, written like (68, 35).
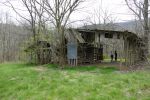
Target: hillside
(11, 41)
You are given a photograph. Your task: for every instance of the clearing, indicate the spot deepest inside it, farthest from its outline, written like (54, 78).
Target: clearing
(47, 82)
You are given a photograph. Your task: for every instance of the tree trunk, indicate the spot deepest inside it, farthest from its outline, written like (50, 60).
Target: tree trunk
(62, 54)
(146, 29)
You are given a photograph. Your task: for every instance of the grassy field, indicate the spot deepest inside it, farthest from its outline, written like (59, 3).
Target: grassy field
(29, 82)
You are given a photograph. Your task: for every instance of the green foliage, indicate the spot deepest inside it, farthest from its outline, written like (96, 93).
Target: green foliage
(48, 82)
(31, 46)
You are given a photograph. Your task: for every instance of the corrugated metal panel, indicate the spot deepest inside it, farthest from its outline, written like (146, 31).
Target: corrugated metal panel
(72, 51)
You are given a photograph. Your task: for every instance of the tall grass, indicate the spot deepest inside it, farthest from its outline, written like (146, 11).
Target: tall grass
(30, 82)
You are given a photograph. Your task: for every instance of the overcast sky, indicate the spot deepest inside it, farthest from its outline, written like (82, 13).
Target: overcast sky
(116, 8)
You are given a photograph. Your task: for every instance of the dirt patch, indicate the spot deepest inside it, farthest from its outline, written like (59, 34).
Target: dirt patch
(40, 69)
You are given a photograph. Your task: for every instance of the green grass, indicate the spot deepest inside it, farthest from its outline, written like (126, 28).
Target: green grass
(30, 82)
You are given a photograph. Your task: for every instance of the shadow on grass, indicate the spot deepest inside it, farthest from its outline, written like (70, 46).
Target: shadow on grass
(93, 69)
(21, 65)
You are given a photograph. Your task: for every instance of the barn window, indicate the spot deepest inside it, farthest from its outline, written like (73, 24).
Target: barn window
(99, 37)
(118, 36)
(108, 35)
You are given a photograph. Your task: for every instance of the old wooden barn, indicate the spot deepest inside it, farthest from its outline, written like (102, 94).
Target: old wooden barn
(92, 46)
(88, 46)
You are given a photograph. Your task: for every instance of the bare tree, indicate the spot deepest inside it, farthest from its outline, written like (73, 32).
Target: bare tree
(101, 18)
(59, 12)
(11, 39)
(35, 12)
(36, 19)
(141, 9)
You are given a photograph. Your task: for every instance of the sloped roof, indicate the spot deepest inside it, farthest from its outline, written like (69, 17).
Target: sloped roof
(125, 32)
(72, 35)
(75, 34)
(132, 26)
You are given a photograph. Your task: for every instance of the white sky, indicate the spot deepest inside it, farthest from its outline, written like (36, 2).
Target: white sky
(117, 8)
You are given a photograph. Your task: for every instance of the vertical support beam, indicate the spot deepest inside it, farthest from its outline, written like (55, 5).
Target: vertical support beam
(126, 45)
